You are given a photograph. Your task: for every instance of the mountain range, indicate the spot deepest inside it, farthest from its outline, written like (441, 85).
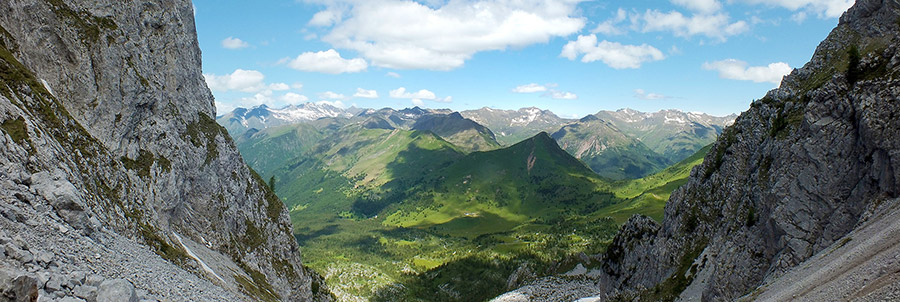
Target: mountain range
(623, 144)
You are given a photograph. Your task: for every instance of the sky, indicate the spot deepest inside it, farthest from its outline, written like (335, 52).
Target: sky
(573, 57)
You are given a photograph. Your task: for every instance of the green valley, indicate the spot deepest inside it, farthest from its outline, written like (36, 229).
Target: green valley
(399, 205)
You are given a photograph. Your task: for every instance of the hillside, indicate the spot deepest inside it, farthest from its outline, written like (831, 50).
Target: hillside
(116, 178)
(609, 151)
(513, 126)
(269, 149)
(672, 134)
(791, 199)
(462, 132)
(403, 208)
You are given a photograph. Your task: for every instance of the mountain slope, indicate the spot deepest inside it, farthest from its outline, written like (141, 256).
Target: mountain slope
(795, 175)
(261, 117)
(671, 133)
(462, 132)
(269, 149)
(113, 163)
(607, 150)
(513, 126)
(505, 187)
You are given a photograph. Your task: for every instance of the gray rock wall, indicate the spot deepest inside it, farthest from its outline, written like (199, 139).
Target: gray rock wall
(109, 127)
(794, 173)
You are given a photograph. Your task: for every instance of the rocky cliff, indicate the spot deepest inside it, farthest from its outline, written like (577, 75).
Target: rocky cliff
(801, 182)
(113, 166)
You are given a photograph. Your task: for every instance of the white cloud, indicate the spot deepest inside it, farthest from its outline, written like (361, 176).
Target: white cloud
(325, 18)
(739, 70)
(799, 17)
(234, 43)
(401, 93)
(529, 88)
(561, 95)
(392, 74)
(615, 55)
(279, 86)
(329, 95)
(418, 102)
(447, 99)
(291, 98)
(823, 8)
(329, 61)
(338, 104)
(297, 86)
(240, 80)
(223, 108)
(716, 26)
(405, 34)
(644, 95)
(366, 94)
(609, 27)
(702, 6)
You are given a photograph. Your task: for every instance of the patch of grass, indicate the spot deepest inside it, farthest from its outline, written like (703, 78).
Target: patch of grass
(89, 27)
(16, 130)
(263, 291)
(204, 132)
(253, 238)
(144, 162)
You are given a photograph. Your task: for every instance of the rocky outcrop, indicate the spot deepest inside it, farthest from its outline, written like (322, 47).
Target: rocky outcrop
(113, 162)
(801, 169)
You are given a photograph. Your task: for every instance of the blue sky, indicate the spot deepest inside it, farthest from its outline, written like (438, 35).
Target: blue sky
(570, 56)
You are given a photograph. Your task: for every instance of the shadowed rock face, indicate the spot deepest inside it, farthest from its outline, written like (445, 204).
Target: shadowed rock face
(799, 170)
(109, 126)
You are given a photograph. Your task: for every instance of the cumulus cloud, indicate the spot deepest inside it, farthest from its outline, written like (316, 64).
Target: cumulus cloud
(366, 94)
(707, 20)
(239, 80)
(644, 95)
(702, 6)
(401, 93)
(329, 95)
(418, 103)
(739, 70)
(297, 86)
(405, 34)
(609, 27)
(279, 86)
(329, 61)
(529, 88)
(234, 43)
(823, 8)
(291, 98)
(716, 26)
(392, 74)
(326, 18)
(613, 54)
(561, 95)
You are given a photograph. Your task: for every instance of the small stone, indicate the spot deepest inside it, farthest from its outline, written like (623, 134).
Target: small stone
(116, 290)
(42, 279)
(94, 280)
(77, 278)
(44, 258)
(86, 292)
(53, 285)
(15, 286)
(19, 254)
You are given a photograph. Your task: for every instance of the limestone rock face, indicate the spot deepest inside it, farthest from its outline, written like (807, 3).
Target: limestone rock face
(797, 172)
(109, 139)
